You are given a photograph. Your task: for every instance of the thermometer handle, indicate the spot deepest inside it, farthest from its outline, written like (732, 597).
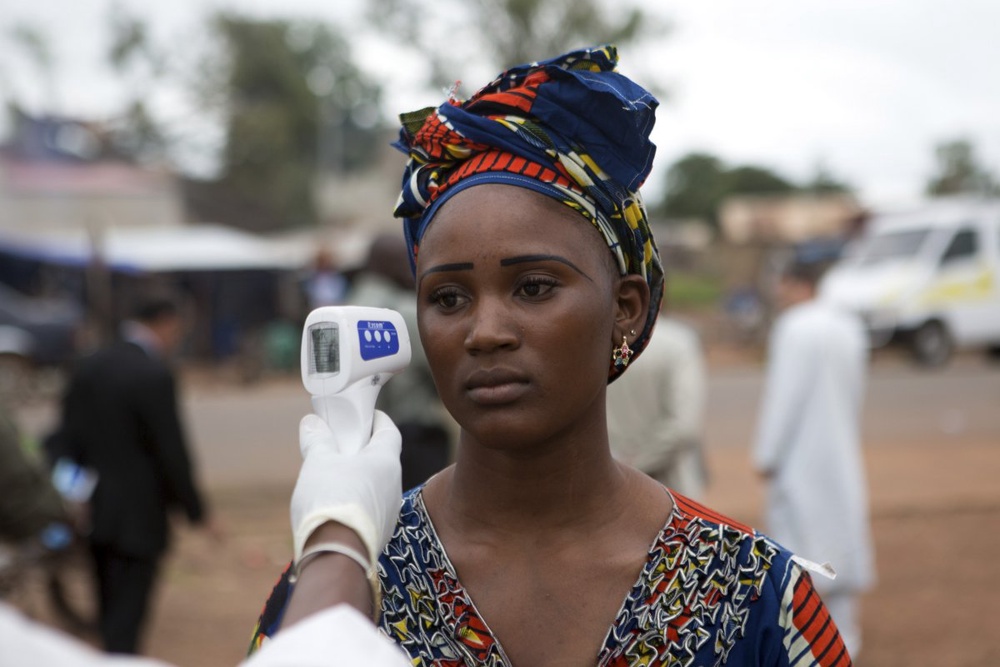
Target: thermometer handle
(349, 414)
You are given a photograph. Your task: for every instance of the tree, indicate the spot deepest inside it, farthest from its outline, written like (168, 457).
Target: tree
(698, 183)
(291, 102)
(959, 171)
(34, 45)
(136, 133)
(501, 33)
(823, 182)
(749, 179)
(695, 185)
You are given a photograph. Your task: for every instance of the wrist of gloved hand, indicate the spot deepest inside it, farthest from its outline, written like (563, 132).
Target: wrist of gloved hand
(360, 490)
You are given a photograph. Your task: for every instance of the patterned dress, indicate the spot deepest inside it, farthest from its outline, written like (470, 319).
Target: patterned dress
(712, 592)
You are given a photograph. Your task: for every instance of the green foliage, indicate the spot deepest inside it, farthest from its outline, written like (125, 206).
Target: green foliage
(692, 291)
(138, 136)
(33, 44)
(823, 182)
(131, 44)
(750, 179)
(501, 33)
(291, 101)
(695, 185)
(135, 134)
(698, 183)
(959, 171)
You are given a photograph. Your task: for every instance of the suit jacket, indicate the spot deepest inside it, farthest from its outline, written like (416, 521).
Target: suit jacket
(120, 418)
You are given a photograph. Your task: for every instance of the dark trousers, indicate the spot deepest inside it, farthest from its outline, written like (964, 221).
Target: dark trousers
(124, 587)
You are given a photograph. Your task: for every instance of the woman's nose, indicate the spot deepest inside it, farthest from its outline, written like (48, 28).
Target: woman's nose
(492, 326)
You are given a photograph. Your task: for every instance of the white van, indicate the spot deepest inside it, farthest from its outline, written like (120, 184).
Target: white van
(928, 277)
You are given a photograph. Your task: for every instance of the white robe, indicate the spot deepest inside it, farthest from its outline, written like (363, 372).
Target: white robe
(808, 440)
(334, 637)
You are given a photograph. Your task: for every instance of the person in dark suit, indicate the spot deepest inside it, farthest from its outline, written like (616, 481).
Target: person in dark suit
(120, 418)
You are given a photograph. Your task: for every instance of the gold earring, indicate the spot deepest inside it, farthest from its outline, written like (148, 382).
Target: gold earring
(621, 355)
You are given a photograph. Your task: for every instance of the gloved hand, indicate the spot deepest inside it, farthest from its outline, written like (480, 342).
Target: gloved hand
(363, 491)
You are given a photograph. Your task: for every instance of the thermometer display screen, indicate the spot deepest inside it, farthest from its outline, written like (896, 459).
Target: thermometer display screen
(325, 356)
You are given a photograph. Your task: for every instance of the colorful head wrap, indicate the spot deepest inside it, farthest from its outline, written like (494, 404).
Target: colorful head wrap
(571, 128)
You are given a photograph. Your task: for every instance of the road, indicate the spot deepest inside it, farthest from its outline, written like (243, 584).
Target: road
(905, 405)
(249, 434)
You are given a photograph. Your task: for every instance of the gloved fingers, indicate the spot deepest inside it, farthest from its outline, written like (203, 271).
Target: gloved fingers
(314, 431)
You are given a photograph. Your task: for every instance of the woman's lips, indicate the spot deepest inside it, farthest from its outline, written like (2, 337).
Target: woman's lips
(496, 387)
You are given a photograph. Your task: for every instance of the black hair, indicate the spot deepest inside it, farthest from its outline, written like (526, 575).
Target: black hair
(809, 273)
(155, 306)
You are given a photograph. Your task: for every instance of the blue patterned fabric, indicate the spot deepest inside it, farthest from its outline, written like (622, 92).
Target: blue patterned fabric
(712, 592)
(571, 128)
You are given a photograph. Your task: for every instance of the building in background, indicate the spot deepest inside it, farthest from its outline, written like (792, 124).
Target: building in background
(788, 218)
(60, 174)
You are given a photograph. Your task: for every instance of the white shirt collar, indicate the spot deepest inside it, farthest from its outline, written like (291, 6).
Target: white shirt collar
(141, 335)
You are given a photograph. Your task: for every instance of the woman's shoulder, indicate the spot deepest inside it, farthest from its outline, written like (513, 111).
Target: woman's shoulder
(737, 585)
(412, 518)
(413, 539)
(703, 530)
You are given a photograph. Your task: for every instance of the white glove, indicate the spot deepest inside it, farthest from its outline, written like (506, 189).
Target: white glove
(363, 491)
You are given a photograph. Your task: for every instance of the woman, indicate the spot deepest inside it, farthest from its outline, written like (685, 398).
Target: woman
(536, 547)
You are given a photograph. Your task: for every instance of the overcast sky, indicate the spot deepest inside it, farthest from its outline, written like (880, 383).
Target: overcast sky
(864, 87)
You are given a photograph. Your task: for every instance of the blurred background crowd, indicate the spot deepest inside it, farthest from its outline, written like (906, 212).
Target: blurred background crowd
(237, 153)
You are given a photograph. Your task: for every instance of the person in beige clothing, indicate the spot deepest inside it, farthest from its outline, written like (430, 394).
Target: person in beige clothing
(656, 410)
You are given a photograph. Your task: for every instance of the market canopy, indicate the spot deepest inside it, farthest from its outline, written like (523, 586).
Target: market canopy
(163, 249)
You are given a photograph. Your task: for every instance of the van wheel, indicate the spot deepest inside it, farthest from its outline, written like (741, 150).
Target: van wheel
(931, 344)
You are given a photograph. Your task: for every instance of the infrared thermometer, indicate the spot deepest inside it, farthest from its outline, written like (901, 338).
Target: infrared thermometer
(348, 353)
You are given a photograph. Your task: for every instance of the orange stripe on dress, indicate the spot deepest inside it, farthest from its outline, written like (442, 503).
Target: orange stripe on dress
(805, 618)
(829, 649)
(689, 506)
(813, 620)
(842, 659)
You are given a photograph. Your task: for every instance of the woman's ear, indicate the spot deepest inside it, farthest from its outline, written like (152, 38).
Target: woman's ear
(631, 306)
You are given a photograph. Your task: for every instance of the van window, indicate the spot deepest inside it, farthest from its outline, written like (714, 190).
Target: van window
(964, 245)
(891, 246)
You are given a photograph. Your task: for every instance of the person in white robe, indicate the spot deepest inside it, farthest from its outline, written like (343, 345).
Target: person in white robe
(808, 443)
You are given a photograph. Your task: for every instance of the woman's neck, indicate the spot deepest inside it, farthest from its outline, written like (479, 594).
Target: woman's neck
(566, 485)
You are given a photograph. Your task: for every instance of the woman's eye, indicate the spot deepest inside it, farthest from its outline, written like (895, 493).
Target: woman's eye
(535, 287)
(446, 298)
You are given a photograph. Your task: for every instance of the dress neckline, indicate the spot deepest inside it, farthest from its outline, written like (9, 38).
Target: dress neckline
(623, 608)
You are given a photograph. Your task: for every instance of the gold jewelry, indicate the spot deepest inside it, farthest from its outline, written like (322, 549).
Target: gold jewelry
(621, 355)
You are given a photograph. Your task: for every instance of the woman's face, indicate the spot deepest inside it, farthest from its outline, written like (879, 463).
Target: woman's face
(517, 306)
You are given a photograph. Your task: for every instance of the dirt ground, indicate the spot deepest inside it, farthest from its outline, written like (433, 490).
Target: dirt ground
(935, 500)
